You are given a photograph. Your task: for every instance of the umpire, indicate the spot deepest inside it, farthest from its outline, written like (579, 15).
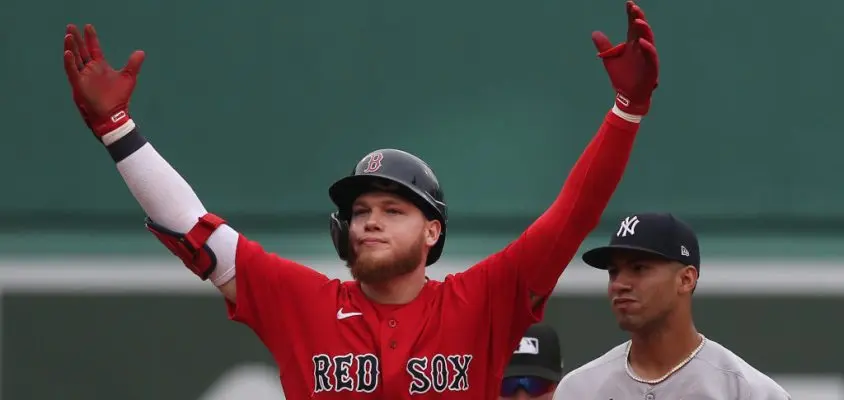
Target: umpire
(536, 366)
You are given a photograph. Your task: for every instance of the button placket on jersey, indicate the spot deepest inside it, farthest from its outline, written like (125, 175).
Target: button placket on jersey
(389, 331)
(392, 358)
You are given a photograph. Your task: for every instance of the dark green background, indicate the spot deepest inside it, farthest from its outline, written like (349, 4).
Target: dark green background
(262, 104)
(168, 347)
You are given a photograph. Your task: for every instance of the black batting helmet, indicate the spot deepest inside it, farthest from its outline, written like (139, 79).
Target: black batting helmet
(406, 175)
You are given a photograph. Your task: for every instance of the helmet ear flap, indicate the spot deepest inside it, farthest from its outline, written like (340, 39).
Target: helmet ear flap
(340, 235)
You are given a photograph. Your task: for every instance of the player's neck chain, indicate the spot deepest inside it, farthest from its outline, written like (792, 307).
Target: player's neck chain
(676, 368)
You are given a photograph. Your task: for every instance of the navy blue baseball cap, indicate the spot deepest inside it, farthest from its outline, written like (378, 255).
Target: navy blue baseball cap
(659, 234)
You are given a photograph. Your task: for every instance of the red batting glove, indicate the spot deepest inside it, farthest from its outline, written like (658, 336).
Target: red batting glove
(633, 66)
(101, 94)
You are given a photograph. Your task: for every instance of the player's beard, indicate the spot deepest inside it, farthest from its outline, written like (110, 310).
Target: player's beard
(367, 268)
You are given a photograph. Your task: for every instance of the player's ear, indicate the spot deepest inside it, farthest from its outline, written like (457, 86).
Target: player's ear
(432, 232)
(687, 275)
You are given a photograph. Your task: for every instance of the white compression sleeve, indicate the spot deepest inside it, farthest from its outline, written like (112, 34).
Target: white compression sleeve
(170, 201)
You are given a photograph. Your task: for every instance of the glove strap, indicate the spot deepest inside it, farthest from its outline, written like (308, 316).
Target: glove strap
(104, 127)
(117, 132)
(626, 116)
(624, 104)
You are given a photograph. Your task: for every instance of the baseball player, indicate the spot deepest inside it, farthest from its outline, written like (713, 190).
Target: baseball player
(536, 366)
(390, 333)
(653, 263)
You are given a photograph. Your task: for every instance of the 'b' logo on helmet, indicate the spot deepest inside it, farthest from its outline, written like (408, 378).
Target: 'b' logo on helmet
(374, 163)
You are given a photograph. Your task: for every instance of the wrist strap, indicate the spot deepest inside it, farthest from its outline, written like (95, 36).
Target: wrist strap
(626, 116)
(126, 145)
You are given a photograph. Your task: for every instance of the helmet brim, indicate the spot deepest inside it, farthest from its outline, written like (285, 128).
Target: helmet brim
(345, 191)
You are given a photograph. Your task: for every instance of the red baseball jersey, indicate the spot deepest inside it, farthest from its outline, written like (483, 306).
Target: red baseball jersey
(455, 338)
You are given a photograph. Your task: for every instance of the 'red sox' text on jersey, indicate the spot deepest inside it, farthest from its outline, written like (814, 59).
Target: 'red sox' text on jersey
(329, 340)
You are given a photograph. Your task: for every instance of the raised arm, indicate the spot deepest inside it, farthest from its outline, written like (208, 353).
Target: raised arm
(517, 280)
(548, 245)
(176, 215)
(268, 290)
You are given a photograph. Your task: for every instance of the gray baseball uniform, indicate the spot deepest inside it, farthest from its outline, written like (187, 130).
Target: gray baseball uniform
(715, 373)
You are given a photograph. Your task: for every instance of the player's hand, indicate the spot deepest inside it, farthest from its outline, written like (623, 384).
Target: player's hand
(633, 66)
(101, 93)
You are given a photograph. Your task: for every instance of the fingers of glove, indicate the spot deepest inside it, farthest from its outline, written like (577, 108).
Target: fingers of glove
(649, 51)
(84, 55)
(602, 43)
(634, 12)
(133, 66)
(70, 67)
(93, 42)
(643, 30)
(70, 46)
(605, 48)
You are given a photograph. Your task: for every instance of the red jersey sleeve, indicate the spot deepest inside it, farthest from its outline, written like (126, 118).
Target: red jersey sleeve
(532, 264)
(271, 294)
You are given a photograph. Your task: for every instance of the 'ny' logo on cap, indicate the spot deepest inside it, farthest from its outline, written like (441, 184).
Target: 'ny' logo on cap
(628, 226)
